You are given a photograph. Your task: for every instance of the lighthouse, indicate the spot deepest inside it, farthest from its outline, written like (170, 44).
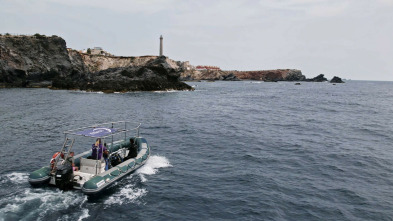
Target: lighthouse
(161, 46)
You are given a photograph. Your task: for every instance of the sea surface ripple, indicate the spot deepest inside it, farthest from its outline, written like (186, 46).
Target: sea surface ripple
(226, 151)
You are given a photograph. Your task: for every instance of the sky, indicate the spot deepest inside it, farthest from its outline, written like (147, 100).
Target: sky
(351, 39)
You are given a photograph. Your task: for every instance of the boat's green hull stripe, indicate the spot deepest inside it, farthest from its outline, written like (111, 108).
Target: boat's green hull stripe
(39, 176)
(94, 182)
(131, 165)
(115, 172)
(124, 168)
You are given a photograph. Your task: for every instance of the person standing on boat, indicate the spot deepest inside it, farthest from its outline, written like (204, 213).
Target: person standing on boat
(97, 150)
(106, 159)
(71, 162)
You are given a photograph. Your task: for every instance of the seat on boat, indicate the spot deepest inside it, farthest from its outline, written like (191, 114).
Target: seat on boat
(91, 166)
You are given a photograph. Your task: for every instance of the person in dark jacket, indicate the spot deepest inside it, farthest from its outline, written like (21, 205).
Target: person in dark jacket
(133, 150)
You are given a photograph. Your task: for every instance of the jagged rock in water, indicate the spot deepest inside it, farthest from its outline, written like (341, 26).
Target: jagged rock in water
(319, 78)
(230, 77)
(295, 75)
(336, 79)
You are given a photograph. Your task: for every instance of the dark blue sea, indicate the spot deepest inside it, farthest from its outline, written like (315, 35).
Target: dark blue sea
(226, 151)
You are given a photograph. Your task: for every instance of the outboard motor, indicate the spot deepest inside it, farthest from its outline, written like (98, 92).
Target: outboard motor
(64, 176)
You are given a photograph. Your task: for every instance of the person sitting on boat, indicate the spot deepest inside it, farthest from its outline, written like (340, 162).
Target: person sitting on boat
(133, 150)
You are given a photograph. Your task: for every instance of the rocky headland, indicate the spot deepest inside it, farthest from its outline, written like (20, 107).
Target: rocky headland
(263, 75)
(41, 61)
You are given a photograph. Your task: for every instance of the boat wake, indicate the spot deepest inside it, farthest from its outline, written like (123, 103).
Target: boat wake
(152, 165)
(39, 204)
(14, 178)
(21, 201)
(131, 193)
(128, 194)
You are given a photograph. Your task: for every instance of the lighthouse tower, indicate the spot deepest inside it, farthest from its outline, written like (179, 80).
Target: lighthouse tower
(161, 46)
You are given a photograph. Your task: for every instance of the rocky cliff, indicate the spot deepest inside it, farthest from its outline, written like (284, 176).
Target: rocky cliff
(32, 58)
(40, 61)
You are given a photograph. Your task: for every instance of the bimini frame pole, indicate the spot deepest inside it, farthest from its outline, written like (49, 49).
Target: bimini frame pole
(137, 129)
(112, 141)
(125, 129)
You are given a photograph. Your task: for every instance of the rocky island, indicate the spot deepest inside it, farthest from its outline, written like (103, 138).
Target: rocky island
(42, 61)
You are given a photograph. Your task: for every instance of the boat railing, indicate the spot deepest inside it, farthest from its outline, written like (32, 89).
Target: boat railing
(112, 125)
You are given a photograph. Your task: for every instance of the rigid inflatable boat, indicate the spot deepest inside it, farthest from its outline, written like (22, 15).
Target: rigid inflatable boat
(93, 171)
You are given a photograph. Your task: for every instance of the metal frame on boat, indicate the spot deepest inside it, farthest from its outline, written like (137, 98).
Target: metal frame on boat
(94, 175)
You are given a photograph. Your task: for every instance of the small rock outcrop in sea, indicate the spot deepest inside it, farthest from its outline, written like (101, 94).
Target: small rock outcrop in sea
(230, 77)
(41, 61)
(336, 79)
(295, 75)
(319, 78)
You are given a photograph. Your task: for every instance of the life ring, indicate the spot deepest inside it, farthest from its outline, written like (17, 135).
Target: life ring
(53, 160)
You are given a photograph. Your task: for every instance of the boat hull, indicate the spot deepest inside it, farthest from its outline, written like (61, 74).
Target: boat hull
(99, 182)
(102, 181)
(40, 176)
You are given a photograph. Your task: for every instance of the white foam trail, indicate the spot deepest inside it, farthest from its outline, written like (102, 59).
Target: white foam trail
(15, 178)
(153, 164)
(85, 214)
(38, 203)
(143, 178)
(126, 195)
(129, 193)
